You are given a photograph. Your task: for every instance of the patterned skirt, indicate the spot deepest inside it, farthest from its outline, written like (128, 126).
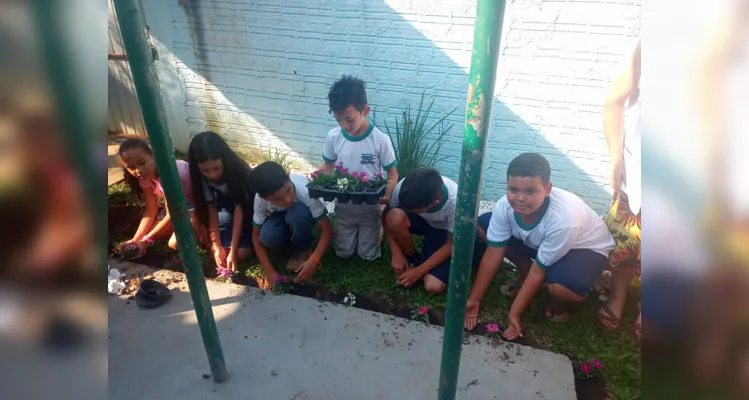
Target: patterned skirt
(625, 227)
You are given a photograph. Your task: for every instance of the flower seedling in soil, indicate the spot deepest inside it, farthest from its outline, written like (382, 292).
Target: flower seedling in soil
(349, 300)
(421, 314)
(492, 330)
(223, 272)
(344, 181)
(283, 284)
(588, 370)
(130, 251)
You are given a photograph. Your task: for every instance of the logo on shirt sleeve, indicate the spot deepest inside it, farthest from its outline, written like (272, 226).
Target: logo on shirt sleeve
(368, 159)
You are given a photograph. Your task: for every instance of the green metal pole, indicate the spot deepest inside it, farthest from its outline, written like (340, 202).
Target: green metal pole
(133, 28)
(79, 124)
(486, 36)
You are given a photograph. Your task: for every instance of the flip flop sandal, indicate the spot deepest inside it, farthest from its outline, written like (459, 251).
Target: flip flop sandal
(152, 294)
(556, 313)
(508, 289)
(610, 321)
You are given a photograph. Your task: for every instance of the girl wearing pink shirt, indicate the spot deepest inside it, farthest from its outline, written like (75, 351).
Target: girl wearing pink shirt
(143, 178)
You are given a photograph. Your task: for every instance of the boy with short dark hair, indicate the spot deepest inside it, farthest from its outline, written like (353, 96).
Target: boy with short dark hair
(284, 217)
(423, 204)
(550, 234)
(359, 147)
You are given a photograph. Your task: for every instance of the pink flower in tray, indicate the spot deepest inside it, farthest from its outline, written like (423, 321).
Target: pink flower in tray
(597, 363)
(585, 368)
(344, 171)
(365, 178)
(355, 174)
(423, 310)
(492, 328)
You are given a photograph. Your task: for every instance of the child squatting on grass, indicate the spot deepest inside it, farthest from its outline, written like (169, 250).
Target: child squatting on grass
(284, 217)
(550, 234)
(225, 207)
(359, 147)
(143, 178)
(423, 204)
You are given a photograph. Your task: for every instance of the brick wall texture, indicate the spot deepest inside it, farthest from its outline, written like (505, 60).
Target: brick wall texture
(258, 72)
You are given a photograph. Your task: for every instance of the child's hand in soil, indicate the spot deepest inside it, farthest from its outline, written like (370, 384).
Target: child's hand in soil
(514, 328)
(399, 266)
(269, 282)
(231, 261)
(306, 270)
(472, 314)
(409, 277)
(219, 255)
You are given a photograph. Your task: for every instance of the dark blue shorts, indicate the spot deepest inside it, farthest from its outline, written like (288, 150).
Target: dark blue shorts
(578, 270)
(434, 239)
(225, 206)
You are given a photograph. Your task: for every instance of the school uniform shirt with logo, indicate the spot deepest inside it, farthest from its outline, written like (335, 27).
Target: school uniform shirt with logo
(371, 152)
(264, 208)
(441, 216)
(568, 223)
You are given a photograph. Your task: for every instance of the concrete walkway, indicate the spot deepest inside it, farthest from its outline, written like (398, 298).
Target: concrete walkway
(291, 347)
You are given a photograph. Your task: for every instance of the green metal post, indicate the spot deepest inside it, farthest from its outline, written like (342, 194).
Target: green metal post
(486, 36)
(133, 28)
(79, 124)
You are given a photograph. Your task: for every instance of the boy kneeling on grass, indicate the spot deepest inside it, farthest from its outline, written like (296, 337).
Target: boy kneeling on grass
(423, 204)
(284, 217)
(550, 234)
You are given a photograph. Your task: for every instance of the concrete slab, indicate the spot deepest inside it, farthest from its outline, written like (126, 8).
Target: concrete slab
(290, 347)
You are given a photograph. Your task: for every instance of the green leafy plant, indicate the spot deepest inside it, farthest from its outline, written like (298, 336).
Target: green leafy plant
(417, 138)
(340, 179)
(420, 314)
(278, 157)
(283, 284)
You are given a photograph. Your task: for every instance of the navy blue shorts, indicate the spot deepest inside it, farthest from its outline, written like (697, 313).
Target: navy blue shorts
(225, 206)
(578, 270)
(434, 239)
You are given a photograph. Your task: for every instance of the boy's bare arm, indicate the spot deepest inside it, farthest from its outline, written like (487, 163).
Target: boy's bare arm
(392, 181)
(531, 285)
(262, 256)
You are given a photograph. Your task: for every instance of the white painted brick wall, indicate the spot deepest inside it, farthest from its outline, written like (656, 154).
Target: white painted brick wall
(259, 72)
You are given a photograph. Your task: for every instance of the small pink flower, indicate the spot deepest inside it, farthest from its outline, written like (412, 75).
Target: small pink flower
(286, 279)
(223, 272)
(423, 310)
(492, 328)
(365, 179)
(355, 174)
(339, 166)
(597, 363)
(279, 278)
(585, 368)
(345, 171)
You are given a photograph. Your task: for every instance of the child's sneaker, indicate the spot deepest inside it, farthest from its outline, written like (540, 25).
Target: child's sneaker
(298, 257)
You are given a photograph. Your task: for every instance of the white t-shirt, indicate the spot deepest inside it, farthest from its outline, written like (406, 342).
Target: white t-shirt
(439, 217)
(567, 224)
(371, 152)
(264, 208)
